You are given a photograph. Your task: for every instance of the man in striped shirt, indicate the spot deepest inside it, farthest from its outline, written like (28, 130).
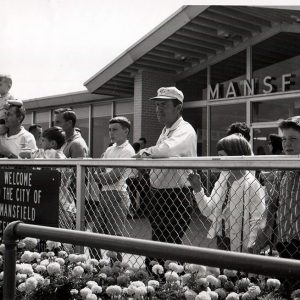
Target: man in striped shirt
(284, 202)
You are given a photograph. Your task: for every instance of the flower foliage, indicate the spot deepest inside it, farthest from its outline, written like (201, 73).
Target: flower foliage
(58, 273)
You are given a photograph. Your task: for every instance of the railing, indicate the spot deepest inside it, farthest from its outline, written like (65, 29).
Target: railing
(214, 258)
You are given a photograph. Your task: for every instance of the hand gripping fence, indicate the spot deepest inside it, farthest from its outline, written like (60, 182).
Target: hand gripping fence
(210, 257)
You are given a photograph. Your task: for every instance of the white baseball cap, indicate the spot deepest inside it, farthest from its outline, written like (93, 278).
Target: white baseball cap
(167, 93)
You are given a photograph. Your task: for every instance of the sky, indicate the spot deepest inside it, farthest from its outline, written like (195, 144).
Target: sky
(52, 47)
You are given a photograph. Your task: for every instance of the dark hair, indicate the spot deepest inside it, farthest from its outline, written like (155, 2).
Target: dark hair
(292, 122)
(56, 134)
(68, 114)
(34, 127)
(276, 142)
(123, 121)
(239, 127)
(234, 145)
(143, 139)
(136, 146)
(19, 110)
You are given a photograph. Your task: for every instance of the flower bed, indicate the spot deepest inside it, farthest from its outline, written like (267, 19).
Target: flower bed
(59, 274)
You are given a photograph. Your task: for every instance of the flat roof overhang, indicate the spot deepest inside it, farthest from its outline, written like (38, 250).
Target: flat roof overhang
(197, 36)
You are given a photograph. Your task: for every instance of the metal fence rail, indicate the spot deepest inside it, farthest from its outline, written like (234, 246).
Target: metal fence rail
(214, 258)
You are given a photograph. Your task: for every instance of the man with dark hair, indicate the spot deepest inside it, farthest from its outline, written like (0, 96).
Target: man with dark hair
(143, 142)
(36, 130)
(75, 146)
(16, 137)
(170, 207)
(239, 127)
(114, 199)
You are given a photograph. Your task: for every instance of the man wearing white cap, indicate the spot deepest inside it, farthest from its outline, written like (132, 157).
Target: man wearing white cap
(170, 207)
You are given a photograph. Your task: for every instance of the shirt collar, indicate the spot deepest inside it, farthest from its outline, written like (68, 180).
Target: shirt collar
(73, 137)
(174, 126)
(122, 145)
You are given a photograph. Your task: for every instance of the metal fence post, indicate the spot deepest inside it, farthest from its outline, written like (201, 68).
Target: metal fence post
(10, 257)
(80, 204)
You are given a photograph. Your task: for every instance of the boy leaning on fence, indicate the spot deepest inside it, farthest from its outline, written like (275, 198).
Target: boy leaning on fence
(284, 199)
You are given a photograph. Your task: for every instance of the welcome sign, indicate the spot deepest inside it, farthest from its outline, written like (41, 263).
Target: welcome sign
(31, 196)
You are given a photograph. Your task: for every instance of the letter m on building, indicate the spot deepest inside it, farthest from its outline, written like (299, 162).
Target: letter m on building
(214, 93)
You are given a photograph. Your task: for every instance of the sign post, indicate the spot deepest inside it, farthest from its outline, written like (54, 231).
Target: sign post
(31, 196)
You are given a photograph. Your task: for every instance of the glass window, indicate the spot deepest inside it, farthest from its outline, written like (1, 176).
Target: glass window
(226, 76)
(197, 118)
(82, 115)
(42, 118)
(260, 140)
(101, 114)
(221, 117)
(274, 110)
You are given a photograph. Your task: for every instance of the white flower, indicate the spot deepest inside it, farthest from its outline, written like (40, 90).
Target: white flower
(203, 296)
(60, 260)
(111, 254)
(21, 287)
(40, 279)
(96, 289)
(193, 268)
(68, 247)
(1, 275)
(140, 292)
(53, 268)
(25, 269)
(30, 243)
(273, 283)
(213, 295)
(31, 283)
(137, 283)
(40, 268)
(72, 258)
(175, 267)
(158, 269)
(102, 276)
(254, 291)
(47, 281)
(21, 245)
(94, 262)
(50, 254)
(85, 291)
(2, 248)
(91, 297)
(21, 277)
(213, 271)
(212, 280)
(150, 289)
(190, 295)
(91, 283)
(62, 254)
(27, 257)
(171, 276)
(44, 262)
(78, 271)
(233, 296)
(81, 258)
(153, 283)
(52, 245)
(113, 290)
(74, 292)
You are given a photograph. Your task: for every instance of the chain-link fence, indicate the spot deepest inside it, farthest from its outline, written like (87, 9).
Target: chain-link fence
(209, 202)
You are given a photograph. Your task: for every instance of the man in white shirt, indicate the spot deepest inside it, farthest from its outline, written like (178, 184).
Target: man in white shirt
(113, 199)
(170, 207)
(16, 137)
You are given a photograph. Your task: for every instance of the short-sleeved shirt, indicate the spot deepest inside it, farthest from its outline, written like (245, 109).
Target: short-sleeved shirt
(15, 143)
(286, 189)
(77, 142)
(180, 140)
(124, 150)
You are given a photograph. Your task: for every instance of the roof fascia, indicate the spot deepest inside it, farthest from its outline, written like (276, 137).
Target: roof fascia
(168, 27)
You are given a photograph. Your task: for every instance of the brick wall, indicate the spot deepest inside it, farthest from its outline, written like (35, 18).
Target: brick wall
(146, 85)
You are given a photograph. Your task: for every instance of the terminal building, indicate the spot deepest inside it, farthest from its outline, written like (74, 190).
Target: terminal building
(233, 64)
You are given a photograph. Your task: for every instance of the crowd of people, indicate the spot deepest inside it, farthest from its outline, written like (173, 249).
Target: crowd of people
(236, 206)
